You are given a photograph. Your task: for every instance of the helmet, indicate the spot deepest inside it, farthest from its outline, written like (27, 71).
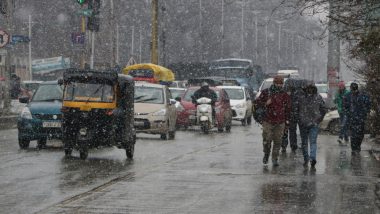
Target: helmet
(204, 85)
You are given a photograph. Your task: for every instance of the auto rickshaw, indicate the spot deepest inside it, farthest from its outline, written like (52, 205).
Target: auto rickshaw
(97, 111)
(150, 73)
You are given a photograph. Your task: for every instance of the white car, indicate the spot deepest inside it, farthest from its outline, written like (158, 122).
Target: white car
(264, 85)
(240, 102)
(155, 110)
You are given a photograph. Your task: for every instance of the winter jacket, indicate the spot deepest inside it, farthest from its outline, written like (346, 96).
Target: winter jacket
(311, 109)
(209, 93)
(339, 100)
(356, 107)
(279, 110)
(295, 97)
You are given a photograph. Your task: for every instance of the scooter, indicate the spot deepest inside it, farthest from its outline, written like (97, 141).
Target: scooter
(204, 114)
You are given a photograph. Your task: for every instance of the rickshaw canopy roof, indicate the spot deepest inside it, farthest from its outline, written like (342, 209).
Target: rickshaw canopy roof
(162, 73)
(89, 75)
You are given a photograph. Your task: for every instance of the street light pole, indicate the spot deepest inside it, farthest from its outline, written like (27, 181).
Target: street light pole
(30, 48)
(256, 35)
(154, 54)
(242, 28)
(279, 42)
(200, 32)
(222, 31)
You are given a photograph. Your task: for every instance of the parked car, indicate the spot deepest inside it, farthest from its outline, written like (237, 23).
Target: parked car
(155, 111)
(41, 117)
(223, 109)
(241, 104)
(331, 122)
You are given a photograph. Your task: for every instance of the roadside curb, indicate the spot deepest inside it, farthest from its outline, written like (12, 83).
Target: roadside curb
(8, 122)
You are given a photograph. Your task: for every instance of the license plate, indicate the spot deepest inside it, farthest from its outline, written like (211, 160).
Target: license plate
(138, 123)
(192, 117)
(51, 124)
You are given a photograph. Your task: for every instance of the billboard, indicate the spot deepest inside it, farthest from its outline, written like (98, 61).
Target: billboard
(50, 64)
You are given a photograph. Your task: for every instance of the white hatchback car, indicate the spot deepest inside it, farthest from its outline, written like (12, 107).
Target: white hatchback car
(155, 111)
(240, 102)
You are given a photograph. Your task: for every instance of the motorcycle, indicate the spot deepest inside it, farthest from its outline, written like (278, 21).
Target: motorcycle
(204, 114)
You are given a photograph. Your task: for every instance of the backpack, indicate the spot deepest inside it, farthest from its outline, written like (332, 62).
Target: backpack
(259, 111)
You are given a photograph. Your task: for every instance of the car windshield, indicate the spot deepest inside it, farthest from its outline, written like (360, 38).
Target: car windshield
(30, 86)
(235, 94)
(177, 92)
(89, 92)
(48, 93)
(149, 95)
(322, 88)
(190, 92)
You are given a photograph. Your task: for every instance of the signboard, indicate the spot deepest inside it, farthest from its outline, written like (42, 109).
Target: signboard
(50, 64)
(4, 38)
(78, 38)
(19, 38)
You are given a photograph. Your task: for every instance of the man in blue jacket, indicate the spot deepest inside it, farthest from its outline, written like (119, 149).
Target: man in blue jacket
(356, 106)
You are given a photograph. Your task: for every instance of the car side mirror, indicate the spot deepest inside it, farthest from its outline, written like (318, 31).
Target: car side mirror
(23, 99)
(172, 102)
(178, 99)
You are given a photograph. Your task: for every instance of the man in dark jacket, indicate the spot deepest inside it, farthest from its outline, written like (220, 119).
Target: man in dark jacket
(356, 106)
(311, 110)
(342, 91)
(277, 104)
(205, 91)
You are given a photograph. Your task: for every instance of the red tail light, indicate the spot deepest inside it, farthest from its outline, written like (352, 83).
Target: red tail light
(109, 112)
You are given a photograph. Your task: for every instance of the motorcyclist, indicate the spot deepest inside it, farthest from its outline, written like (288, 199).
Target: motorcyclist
(205, 91)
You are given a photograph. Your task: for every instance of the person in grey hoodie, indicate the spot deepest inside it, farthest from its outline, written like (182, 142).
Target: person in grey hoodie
(311, 110)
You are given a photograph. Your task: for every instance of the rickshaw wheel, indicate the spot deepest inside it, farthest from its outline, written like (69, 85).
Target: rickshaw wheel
(129, 150)
(83, 154)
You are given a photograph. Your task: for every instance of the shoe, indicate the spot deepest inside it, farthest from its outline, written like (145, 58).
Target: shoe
(283, 150)
(313, 162)
(340, 141)
(346, 141)
(294, 150)
(275, 163)
(306, 163)
(265, 159)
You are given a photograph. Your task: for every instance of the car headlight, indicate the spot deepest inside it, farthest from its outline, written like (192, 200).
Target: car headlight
(240, 105)
(25, 113)
(161, 112)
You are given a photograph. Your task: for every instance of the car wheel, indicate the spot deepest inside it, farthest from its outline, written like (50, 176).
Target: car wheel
(334, 127)
(83, 154)
(129, 150)
(24, 144)
(41, 143)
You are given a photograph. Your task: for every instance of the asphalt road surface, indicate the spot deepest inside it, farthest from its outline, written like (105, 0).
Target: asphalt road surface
(195, 173)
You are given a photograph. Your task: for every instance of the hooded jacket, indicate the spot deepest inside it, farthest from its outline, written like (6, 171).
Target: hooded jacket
(311, 108)
(356, 107)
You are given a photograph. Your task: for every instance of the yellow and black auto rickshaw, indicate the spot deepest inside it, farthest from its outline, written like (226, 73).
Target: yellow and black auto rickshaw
(97, 111)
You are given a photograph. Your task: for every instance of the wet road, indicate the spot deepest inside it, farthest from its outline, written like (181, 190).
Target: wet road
(196, 173)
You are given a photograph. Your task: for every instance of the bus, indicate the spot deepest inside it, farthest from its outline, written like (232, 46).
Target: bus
(243, 70)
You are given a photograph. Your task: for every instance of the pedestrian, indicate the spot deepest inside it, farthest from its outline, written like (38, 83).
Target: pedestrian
(356, 107)
(277, 112)
(295, 90)
(311, 109)
(342, 91)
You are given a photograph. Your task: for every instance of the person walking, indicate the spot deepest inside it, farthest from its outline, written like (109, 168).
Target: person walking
(342, 91)
(311, 110)
(356, 107)
(277, 104)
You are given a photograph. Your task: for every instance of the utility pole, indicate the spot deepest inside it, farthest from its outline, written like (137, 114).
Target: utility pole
(8, 59)
(200, 32)
(256, 35)
(279, 43)
(222, 32)
(117, 45)
(140, 45)
(242, 29)
(113, 38)
(30, 48)
(154, 50)
(333, 55)
(133, 42)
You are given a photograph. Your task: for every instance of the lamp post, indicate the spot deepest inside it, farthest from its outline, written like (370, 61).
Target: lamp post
(255, 12)
(242, 28)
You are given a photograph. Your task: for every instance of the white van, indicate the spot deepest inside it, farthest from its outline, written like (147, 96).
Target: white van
(240, 102)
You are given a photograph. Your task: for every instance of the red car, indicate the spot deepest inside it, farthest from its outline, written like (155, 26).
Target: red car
(223, 111)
